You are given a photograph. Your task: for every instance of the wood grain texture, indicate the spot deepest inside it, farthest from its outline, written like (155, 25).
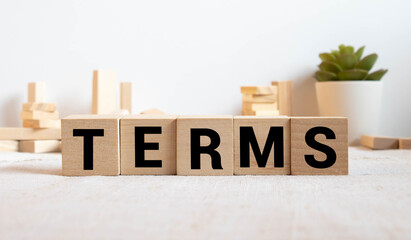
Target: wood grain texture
(379, 142)
(223, 125)
(39, 146)
(299, 147)
(153, 111)
(257, 98)
(28, 115)
(36, 91)
(9, 146)
(29, 134)
(36, 106)
(106, 154)
(104, 92)
(126, 97)
(285, 97)
(405, 143)
(43, 123)
(166, 144)
(261, 127)
(259, 89)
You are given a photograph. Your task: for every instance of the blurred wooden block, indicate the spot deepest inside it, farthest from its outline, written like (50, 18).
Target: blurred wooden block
(253, 98)
(104, 92)
(30, 134)
(126, 96)
(268, 138)
(90, 145)
(39, 146)
(205, 145)
(259, 106)
(36, 91)
(35, 106)
(39, 115)
(285, 97)
(45, 123)
(405, 143)
(152, 111)
(259, 89)
(267, 113)
(379, 143)
(148, 145)
(9, 146)
(319, 146)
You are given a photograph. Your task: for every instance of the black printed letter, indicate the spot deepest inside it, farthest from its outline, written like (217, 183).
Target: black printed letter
(311, 142)
(88, 135)
(197, 150)
(140, 146)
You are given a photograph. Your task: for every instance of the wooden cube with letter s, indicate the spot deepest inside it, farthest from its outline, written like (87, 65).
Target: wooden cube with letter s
(90, 145)
(319, 146)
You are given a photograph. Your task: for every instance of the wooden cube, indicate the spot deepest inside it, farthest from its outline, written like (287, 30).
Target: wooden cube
(266, 139)
(104, 92)
(148, 145)
(319, 146)
(36, 91)
(405, 143)
(90, 145)
(39, 146)
(205, 145)
(379, 143)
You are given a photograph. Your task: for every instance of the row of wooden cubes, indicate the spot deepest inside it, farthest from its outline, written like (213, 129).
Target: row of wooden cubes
(203, 145)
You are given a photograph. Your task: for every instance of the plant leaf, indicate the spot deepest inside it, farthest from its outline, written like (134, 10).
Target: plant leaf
(347, 49)
(367, 62)
(352, 74)
(330, 67)
(377, 75)
(336, 53)
(325, 76)
(341, 47)
(346, 61)
(359, 53)
(327, 57)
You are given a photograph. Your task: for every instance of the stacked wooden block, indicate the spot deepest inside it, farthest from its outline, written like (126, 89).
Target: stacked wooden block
(203, 145)
(260, 101)
(38, 114)
(271, 100)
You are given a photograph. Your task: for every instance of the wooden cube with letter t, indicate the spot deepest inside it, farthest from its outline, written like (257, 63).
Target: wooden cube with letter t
(148, 145)
(90, 145)
(319, 146)
(205, 145)
(261, 145)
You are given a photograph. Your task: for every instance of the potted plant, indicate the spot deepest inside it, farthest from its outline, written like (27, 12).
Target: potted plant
(345, 87)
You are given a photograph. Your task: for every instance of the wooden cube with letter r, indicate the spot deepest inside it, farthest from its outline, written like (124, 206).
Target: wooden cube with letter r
(319, 146)
(205, 145)
(148, 145)
(261, 145)
(90, 145)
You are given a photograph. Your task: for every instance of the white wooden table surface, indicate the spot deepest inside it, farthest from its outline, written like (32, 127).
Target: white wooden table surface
(373, 202)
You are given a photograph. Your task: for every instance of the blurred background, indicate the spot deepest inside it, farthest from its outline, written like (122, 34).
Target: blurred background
(191, 57)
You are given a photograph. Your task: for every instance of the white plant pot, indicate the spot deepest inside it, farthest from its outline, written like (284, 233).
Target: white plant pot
(359, 101)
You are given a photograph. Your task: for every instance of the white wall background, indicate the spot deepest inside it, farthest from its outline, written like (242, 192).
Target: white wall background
(191, 57)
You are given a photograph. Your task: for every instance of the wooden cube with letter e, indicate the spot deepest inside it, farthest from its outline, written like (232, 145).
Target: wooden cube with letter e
(205, 145)
(90, 145)
(261, 145)
(319, 146)
(148, 145)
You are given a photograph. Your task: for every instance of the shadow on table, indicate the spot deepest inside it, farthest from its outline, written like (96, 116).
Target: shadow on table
(31, 170)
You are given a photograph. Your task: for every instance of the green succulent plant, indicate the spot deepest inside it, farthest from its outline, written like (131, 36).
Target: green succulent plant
(347, 64)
